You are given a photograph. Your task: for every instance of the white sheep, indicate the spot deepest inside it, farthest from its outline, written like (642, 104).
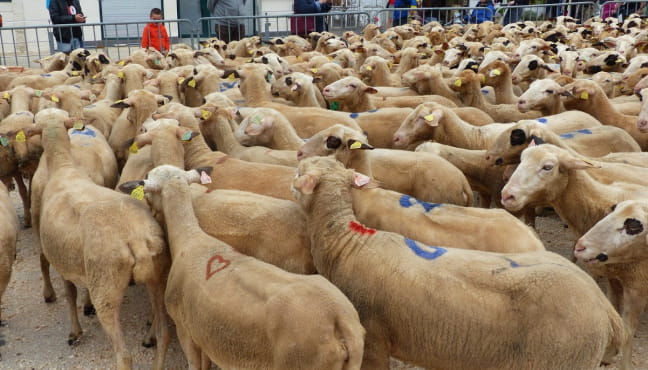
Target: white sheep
(473, 324)
(9, 232)
(262, 317)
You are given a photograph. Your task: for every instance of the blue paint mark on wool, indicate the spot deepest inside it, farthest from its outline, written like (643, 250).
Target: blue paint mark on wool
(542, 120)
(407, 201)
(484, 91)
(513, 263)
(424, 252)
(227, 85)
(354, 115)
(86, 132)
(570, 135)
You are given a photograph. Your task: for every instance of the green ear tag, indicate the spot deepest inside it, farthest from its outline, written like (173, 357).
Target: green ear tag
(4, 141)
(38, 93)
(186, 136)
(257, 120)
(79, 126)
(335, 105)
(157, 62)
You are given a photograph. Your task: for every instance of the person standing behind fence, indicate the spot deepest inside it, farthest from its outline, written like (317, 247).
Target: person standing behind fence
(302, 26)
(67, 12)
(483, 12)
(400, 16)
(515, 14)
(228, 29)
(155, 34)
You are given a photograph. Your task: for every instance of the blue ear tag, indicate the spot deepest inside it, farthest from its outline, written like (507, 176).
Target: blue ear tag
(186, 136)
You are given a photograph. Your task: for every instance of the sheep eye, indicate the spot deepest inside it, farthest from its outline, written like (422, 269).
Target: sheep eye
(632, 226)
(547, 167)
(549, 91)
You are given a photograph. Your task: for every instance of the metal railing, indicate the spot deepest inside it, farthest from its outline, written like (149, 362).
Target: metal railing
(444, 15)
(619, 9)
(22, 45)
(539, 12)
(270, 25)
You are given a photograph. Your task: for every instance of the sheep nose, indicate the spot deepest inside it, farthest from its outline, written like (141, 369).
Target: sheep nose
(602, 257)
(579, 247)
(521, 102)
(499, 161)
(642, 125)
(488, 157)
(567, 73)
(300, 155)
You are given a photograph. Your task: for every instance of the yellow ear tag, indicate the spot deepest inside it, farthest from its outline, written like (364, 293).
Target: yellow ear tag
(483, 78)
(584, 95)
(250, 52)
(138, 192)
(314, 70)
(133, 148)
(6, 96)
(55, 99)
(496, 72)
(95, 76)
(120, 74)
(390, 65)
(552, 57)
(181, 80)
(231, 77)
(20, 137)
(205, 114)
(191, 83)
(75, 73)
(78, 126)
(429, 117)
(458, 82)
(369, 68)
(619, 60)
(356, 145)
(122, 62)
(97, 62)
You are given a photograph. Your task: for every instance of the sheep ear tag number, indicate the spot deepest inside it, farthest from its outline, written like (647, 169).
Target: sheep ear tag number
(204, 178)
(20, 137)
(138, 192)
(133, 148)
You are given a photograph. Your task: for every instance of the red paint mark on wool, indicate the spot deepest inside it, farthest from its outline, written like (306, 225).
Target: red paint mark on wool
(215, 264)
(222, 159)
(360, 229)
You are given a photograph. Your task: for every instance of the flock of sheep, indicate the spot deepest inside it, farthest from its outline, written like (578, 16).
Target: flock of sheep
(344, 194)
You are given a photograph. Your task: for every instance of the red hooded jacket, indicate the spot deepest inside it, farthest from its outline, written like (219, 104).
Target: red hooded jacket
(155, 35)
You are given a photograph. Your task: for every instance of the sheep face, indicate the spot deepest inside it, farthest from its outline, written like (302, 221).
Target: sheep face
(255, 129)
(642, 119)
(540, 177)
(509, 144)
(417, 125)
(337, 140)
(619, 237)
(582, 95)
(346, 88)
(540, 94)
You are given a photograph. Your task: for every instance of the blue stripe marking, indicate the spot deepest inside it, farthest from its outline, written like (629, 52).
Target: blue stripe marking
(438, 251)
(86, 132)
(513, 263)
(226, 86)
(356, 115)
(406, 201)
(542, 120)
(484, 91)
(570, 135)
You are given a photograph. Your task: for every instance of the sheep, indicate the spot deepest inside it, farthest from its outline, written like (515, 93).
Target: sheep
(529, 69)
(217, 126)
(468, 84)
(392, 316)
(76, 217)
(592, 142)
(498, 75)
(54, 62)
(274, 131)
(421, 172)
(350, 94)
(429, 80)
(148, 58)
(432, 121)
(588, 97)
(260, 178)
(608, 61)
(375, 71)
(307, 322)
(543, 95)
(300, 89)
(254, 89)
(9, 232)
(39, 81)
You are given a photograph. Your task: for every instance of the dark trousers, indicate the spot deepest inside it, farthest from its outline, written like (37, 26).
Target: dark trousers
(228, 33)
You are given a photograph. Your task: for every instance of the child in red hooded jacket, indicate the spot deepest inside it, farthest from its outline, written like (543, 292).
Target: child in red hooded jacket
(155, 35)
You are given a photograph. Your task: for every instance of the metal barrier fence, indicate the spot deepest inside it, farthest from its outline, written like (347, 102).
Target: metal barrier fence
(268, 26)
(444, 15)
(619, 9)
(580, 10)
(22, 45)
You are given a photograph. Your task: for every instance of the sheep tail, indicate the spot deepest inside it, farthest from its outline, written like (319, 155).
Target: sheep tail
(143, 269)
(352, 337)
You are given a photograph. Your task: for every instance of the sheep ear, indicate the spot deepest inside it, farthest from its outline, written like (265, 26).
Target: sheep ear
(357, 144)
(574, 163)
(296, 86)
(305, 184)
(360, 180)
(370, 90)
(120, 104)
(129, 186)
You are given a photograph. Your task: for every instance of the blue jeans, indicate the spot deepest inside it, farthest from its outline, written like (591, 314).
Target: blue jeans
(75, 43)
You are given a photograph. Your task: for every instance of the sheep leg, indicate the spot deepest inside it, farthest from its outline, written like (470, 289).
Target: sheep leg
(71, 294)
(205, 361)
(48, 290)
(190, 349)
(615, 294)
(156, 296)
(88, 308)
(376, 351)
(25, 196)
(108, 297)
(635, 295)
